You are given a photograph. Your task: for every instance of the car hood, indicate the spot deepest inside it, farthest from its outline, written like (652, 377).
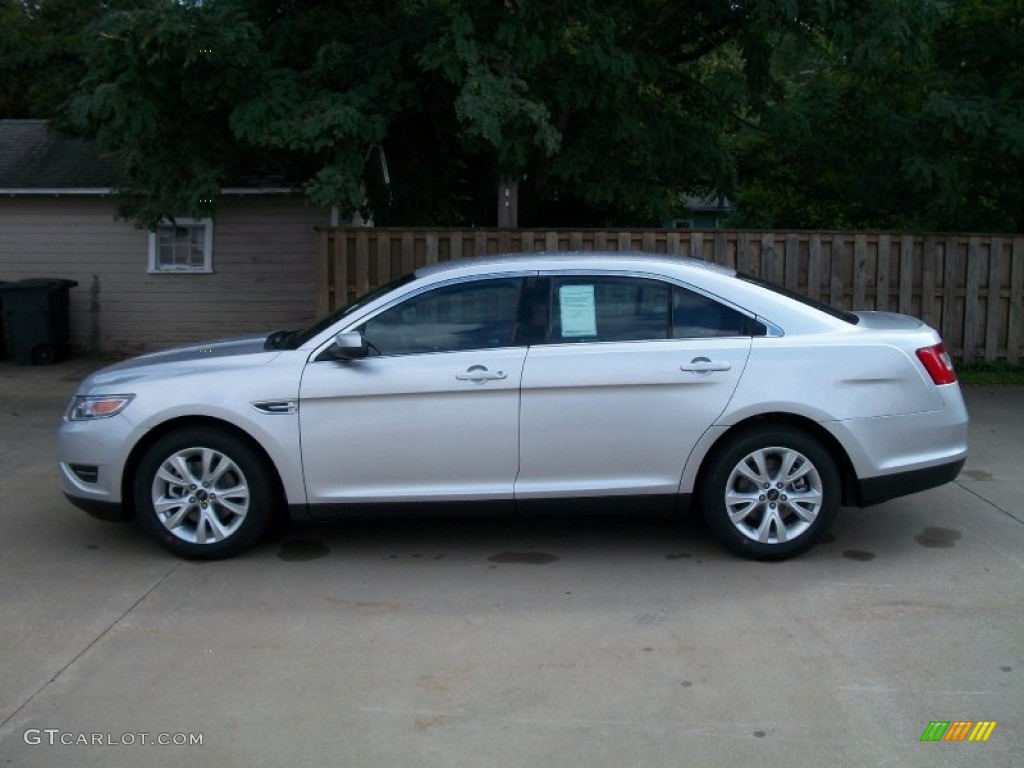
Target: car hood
(216, 355)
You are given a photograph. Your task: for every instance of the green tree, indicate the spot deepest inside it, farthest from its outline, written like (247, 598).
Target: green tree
(598, 107)
(807, 113)
(888, 114)
(195, 96)
(160, 81)
(971, 127)
(40, 52)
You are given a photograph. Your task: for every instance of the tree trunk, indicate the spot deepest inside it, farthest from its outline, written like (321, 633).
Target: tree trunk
(508, 204)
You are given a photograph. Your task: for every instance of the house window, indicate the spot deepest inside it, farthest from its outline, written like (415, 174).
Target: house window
(186, 245)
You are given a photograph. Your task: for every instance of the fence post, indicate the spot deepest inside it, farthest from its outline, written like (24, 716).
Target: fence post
(768, 257)
(791, 262)
(993, 300)
(971, 299)
(949, 276)
(383, 258)
(1016, 311)
(882, 279)
(906, 273)
(929, 256)
(321, 247)
(836, 263)
(814, 266)
(860, 271)
(339, 255)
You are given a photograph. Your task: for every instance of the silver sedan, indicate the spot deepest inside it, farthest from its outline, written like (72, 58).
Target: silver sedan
(527, 384)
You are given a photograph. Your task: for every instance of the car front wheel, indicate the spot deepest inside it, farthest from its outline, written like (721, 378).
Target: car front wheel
(771, 493)
(203, 493)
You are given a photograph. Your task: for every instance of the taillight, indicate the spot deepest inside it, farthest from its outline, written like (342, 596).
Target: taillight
(938, 364)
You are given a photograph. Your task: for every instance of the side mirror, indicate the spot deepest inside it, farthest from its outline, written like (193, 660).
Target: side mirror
(348, 345)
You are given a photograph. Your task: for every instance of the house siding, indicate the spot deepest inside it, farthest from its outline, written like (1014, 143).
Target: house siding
(263, 270)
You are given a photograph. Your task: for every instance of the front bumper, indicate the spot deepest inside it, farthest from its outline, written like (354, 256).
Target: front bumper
(110, 511)
(100, 448)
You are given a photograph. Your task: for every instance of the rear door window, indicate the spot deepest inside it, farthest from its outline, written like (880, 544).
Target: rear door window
(608, 309)
(601, 309)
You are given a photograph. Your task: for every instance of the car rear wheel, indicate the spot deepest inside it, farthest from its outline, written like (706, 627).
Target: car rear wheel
(203, 493)
(771, 493)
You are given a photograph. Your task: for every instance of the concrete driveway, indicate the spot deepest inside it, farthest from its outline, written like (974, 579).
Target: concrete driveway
(587, 643)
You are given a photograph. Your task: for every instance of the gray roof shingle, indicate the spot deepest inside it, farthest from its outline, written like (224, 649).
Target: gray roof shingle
(32, 157)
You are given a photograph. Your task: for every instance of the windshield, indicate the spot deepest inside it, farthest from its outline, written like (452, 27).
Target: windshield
(821, 306)
(301, 337)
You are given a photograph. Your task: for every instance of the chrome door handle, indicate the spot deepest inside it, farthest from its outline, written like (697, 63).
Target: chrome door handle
(480, 374)
(704, 365)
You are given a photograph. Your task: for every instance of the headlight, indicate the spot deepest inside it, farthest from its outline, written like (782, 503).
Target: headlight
(85, 407)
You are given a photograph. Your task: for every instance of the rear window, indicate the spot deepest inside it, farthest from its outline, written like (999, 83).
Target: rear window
(821, 306)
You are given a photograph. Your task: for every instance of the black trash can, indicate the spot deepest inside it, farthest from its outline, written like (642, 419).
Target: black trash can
(36, 315)
(3, 333)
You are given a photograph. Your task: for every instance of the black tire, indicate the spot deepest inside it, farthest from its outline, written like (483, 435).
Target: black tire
(219, 519)
(792, 504)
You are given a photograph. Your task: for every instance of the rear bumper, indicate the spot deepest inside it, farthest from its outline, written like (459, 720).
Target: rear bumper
(896, 455)
(875, 490)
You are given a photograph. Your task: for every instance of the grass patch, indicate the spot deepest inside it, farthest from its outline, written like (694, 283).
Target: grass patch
(991, 374)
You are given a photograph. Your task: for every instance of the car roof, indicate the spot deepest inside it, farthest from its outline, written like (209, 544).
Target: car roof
(545, 260)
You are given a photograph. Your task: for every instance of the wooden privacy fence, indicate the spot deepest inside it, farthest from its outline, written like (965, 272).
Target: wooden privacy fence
(969, 287)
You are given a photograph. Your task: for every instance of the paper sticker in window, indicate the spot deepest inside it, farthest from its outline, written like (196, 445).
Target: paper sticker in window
(578, 312)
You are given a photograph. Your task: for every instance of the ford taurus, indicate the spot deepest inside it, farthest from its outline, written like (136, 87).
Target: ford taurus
(533, 384)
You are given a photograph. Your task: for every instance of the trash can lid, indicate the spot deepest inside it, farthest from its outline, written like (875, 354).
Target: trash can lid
(38, 282)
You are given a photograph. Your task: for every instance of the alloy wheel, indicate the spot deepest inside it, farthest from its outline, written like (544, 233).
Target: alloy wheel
(773, 495)
(200, 495)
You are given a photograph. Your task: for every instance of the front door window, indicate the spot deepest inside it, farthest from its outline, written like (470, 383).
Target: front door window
(460, 317)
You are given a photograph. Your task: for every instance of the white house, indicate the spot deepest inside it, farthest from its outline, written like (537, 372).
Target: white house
(250, 270)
